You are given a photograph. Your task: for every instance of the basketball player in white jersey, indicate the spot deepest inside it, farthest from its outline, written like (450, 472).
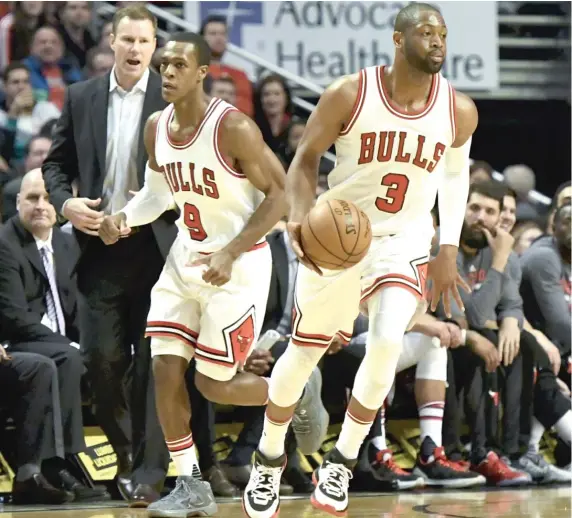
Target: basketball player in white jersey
(209, 302)
(402, 134)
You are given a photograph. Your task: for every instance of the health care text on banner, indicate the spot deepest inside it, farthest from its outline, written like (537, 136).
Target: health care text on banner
(321, 41)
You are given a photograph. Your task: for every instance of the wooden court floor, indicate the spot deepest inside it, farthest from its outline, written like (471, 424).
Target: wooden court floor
(525, 503)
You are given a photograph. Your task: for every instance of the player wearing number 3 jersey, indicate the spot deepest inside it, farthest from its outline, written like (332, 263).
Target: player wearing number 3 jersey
(402, 135)
(209, 302)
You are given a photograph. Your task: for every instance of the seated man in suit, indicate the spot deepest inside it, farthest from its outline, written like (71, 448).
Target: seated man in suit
(37, 310)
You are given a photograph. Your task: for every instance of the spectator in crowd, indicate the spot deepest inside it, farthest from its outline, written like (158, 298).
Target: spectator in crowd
(273, 111)
(480, 171)
(525, 234)
(75, 19)
(20, 113)
(17, 30)
(106, 31)
(215, 32)
(38, 315)
(50, 71)
(37, 151)
(98, 143)
(520, 178)
(224, 88)
(99, 62)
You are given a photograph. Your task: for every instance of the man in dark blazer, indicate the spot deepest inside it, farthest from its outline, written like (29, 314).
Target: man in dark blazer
(98, 143)
(37, 315)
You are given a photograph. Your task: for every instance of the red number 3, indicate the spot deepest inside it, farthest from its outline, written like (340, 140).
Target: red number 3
(192, 220)
(397, 185)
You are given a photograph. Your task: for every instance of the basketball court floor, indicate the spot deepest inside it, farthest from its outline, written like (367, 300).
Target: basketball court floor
(522, 503)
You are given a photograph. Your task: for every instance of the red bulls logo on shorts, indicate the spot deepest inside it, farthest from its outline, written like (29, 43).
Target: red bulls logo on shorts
(241, 339)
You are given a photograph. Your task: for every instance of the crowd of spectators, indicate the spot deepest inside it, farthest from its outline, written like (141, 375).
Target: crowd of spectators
(509, 380)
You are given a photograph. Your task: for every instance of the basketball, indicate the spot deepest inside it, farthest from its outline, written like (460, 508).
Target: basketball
(336, 235)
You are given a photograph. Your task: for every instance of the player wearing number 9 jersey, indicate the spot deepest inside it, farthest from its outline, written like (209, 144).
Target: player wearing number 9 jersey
(402, 135)
(209, 302)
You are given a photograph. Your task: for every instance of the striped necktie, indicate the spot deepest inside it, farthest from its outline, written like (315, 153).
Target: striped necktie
(53, 304)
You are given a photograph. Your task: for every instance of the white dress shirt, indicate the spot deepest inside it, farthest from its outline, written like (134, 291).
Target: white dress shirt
(124, 111)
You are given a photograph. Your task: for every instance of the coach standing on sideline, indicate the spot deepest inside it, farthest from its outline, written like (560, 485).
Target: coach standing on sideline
(98, 142)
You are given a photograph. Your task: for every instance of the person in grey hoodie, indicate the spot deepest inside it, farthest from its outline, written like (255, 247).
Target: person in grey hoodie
(546, 285)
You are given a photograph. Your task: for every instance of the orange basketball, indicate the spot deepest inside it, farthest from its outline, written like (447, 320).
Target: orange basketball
(336, 235)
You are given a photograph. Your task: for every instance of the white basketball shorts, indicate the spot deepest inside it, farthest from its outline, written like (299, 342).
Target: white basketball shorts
(217, 325)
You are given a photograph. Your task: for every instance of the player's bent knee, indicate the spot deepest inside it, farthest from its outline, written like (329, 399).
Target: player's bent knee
(214, 390)
(433, 365)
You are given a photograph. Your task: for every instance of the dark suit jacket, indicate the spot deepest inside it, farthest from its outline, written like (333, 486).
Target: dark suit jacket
(79, 147)
(24, 283)
(278, 282)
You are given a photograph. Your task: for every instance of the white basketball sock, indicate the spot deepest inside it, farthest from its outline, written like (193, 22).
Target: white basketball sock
(273, 438)
(431, 421)
(352, 435)
(184, 456)
(536, 432)
(380, 441)
(563, 427)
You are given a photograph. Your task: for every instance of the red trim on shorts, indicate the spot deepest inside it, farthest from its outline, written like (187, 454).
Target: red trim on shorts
(174, 325)
(195, 135)
(262, 244)
(358, 103)
(216, 139)
(198, 356)
(299, 337)
(394, 110)
(415, 286)
(346, 337)
(453, 112)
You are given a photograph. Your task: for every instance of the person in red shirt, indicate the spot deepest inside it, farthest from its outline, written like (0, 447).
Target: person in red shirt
(215, 32)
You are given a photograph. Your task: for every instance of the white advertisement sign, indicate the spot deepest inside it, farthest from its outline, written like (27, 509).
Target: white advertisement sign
(322, 40)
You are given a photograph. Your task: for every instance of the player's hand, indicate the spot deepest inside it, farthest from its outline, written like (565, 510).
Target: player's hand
(219, 267)
(4, 356)
(563, 387)
(439, 330)
(445, 278)
(113, 228)
(295, 234)
(80, 212)
(501, 243)
(551, 351)
(456, 335)
(509, 341)
(484, 349)
(259, 362)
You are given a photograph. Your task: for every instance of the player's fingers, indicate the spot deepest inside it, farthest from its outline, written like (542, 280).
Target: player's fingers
(435, 295)
(487, 234)
(297, 248)
(457, 297)
(447, 303)
(463, 283)
(88, 231)
(201, 260)
(209, 275)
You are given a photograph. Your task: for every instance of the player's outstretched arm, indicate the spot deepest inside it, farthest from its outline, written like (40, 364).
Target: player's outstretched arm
(323, 128)
(149, 203)
(242, 140)
(453, 194)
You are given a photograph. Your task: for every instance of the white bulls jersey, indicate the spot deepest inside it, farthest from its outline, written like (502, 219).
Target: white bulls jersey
(390, 163)
(216, 201)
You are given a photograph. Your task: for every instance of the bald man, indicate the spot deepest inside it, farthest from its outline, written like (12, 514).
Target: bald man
(37, 314)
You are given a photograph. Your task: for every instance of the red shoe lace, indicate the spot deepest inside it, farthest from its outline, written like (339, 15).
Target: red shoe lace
(389, 462)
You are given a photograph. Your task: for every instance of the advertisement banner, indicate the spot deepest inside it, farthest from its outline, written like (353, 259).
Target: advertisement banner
(321, 41)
